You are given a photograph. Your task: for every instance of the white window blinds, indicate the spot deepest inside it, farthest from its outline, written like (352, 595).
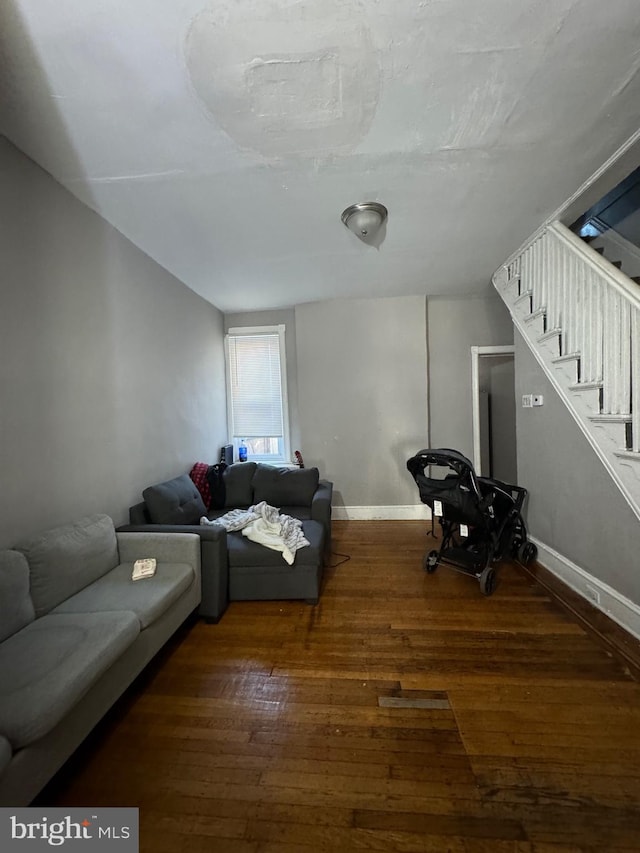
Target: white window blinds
(255, 385)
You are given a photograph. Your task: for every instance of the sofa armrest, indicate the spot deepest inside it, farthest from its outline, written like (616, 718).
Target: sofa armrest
(321, 508)
(209, 532)
(213, 561)
(165, 547)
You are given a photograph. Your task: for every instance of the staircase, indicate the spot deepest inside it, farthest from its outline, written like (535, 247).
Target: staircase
(580, 315)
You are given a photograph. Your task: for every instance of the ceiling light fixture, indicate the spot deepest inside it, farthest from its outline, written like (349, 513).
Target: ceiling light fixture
(365, 219)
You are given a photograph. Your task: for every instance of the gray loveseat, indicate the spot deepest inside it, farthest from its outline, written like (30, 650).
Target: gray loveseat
(233, 567)
(75, 630)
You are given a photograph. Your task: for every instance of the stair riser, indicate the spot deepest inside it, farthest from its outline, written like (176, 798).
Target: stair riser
(568, 370)
(587, 400)
(551, 345)
(631, 466)
(535, 325)
(614, 436)
(522, 308)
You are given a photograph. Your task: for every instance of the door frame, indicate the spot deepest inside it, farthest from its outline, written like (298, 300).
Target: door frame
(476, 354)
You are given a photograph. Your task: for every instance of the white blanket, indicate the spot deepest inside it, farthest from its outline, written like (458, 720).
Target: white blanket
(264, 524)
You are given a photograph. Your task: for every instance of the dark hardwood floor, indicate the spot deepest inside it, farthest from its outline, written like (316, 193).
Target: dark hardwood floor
(406, 712)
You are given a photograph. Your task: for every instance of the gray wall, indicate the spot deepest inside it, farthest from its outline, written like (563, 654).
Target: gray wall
(455, 325)
(362, 387)
(359, 376)
(111, 370)
(573, 506)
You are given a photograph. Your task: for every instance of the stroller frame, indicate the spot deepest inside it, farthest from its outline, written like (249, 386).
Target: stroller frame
(480, 517)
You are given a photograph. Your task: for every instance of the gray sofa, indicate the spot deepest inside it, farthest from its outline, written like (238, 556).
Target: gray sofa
(75, 630)
(234, 568)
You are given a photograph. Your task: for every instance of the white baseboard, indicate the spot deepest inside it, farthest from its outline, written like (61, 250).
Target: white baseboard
(380, 513)
(622, 610)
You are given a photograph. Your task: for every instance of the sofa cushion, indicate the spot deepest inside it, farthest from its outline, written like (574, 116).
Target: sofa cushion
(176, 501)
(237, 482)
(301, 512)
(48, 666)
(285, 486)
(244, 552)
(16, 606)
(148, 598)
(64, 560)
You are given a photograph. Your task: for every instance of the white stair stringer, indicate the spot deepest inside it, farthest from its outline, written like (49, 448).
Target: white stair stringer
(552, 313)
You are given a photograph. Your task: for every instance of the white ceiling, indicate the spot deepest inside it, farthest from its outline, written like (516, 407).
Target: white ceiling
(224, 138)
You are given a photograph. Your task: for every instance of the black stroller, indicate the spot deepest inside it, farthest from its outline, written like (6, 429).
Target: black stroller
(480, 517)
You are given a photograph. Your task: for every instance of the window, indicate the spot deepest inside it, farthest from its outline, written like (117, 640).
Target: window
(257, 392)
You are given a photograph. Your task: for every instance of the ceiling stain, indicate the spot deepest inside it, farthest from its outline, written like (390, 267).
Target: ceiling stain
(292, 84)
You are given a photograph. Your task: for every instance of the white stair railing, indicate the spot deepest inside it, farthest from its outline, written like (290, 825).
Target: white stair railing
(580, 316)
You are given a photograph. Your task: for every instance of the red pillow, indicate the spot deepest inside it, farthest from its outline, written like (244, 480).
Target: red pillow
(199, 476)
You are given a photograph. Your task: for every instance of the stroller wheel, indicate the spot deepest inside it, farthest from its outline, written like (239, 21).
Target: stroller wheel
(430, 562)
(527, 553)
(488, 581)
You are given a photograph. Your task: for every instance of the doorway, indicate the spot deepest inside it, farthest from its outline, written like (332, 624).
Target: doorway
(494, 412)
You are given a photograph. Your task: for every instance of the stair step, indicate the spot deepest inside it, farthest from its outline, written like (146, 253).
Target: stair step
(549, 340)
(617, 429)
(523, 297)
(513, 283)
(590, 396)
(569, 366)
(586, 386)
(569, 356)
(539, 312)
(536, 323)
(630, 458)
(604, 418)
(522, 304)
(549, 334)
